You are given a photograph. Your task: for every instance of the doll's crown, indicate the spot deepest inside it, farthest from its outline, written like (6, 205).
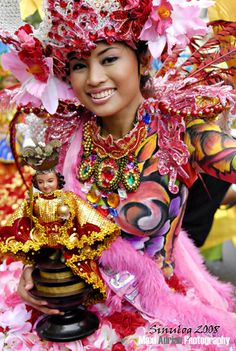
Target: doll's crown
(41, 157)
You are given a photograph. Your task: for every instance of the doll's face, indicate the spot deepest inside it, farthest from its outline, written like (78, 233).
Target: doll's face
(47, 182)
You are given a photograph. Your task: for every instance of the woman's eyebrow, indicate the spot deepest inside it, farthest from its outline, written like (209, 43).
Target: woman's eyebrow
(73, 55)
(106, 49)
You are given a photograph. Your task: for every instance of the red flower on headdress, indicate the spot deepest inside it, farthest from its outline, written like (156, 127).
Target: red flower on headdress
(132, 18)
(125, 323)
(31, 53)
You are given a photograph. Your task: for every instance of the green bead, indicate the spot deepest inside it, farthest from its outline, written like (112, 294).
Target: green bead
(131, 179)
(85, 170)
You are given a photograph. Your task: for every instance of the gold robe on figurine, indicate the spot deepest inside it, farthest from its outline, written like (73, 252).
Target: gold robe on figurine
(60, 220)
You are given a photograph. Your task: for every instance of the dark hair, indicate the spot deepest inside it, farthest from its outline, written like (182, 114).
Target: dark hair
(142, 50)
(60, 178)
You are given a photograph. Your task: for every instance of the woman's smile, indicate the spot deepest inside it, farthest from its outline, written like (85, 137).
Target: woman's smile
(102, 96)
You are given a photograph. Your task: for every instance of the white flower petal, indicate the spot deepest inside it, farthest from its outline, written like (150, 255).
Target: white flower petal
(50, 97)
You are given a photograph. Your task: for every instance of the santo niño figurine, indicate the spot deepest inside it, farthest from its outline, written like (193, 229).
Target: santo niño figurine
(56, 228)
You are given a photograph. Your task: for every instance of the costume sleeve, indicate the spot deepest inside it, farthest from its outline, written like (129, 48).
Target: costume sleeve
(16, 233)
(212, 151)
(16, 225)
(19, 213)
(94, 232)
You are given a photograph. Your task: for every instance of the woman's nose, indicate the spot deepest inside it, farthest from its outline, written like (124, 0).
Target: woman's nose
(96, 75)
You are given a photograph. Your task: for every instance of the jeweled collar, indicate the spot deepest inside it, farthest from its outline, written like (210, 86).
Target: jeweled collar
(117, 148)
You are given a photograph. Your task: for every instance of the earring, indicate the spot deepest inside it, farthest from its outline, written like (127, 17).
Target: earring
(145, 72)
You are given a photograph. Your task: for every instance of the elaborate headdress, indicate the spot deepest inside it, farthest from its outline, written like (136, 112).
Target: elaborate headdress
(38, 57)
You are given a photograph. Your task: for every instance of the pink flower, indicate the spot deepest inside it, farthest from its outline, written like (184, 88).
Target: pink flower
(16, 319)
(16, 342)
(74, 346)
(102, 339)
(172, 23)
(36, 86)
(161, 16)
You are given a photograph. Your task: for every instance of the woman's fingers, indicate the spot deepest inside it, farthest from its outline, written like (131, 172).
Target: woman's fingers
(25, 285)
(26, 278)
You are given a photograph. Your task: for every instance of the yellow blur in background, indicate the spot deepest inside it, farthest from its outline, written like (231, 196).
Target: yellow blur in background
(29, 7)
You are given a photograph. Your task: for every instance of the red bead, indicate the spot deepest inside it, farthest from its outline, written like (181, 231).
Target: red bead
(183, 113)
(103, 211)
(36, 111)
(50, 35)
(63, 4)
(206, 111)
(93, 36)
(163, 107)
(71, 108)
(103, 13)
(109, 31)
(194, 113)
(130, 157)
(27, 110)
(174, 110)
(218, 108)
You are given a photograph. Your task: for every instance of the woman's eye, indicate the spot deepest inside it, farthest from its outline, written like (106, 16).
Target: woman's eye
(110, 59)
(77, 66)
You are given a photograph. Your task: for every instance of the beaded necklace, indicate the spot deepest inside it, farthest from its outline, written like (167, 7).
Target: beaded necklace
(109, 167)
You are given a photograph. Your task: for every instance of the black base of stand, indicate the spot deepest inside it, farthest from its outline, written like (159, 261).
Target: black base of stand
(71, 326)
(55, 283)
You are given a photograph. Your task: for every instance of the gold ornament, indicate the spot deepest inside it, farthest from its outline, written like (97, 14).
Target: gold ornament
(63, 212)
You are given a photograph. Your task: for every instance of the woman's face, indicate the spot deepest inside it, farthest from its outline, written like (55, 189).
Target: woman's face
(47, 182)
(107, 83)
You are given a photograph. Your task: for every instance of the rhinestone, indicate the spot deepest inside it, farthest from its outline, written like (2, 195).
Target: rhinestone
(113, 200)
(122, 194)
(93, 196)
(113, 212)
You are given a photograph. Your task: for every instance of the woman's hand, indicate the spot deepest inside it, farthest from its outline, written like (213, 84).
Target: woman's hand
(25, 285)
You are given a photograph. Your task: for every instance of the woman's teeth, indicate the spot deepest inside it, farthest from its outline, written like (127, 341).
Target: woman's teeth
(103, 94)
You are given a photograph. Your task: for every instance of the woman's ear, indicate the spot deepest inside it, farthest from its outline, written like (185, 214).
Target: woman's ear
(145, 63)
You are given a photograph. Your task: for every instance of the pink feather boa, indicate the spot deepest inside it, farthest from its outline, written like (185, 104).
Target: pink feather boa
(211, 300)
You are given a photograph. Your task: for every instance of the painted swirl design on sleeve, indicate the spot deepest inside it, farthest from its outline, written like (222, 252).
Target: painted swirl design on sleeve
(213, 150)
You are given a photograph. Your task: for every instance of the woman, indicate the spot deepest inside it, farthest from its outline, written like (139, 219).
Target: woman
(133, 159)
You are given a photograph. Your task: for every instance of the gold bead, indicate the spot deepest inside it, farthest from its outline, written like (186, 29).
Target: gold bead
(63, 212)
